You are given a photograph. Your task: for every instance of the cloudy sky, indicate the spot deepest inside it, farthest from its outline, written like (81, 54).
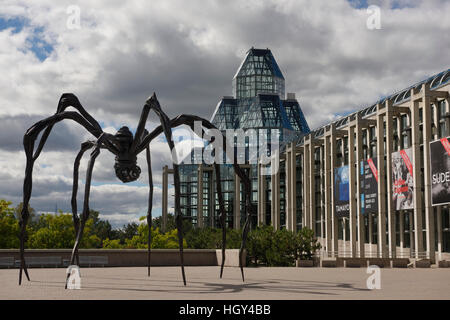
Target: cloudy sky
(187, 52)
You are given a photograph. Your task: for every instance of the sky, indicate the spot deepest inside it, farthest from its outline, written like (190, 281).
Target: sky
(188, 52)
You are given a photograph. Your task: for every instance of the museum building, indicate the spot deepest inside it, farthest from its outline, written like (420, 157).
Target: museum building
(375, 183)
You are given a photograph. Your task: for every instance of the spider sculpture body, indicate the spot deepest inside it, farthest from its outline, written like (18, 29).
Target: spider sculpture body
(125, 147)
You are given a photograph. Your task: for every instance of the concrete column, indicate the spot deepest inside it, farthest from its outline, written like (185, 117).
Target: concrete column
(200, 196)
(390, 210)
(353, 211)
(344, 235)
(306, 197)
(312, 187)
(237, 202)
(261, 196)
(334, 220)
(322, 196)
(426, 133)
(370, 223)
(382, 252)
(439, 230)
(447, 120)
(411, 233)
(294, 186)
(275, 201)
(418, 204)
(359, 158)
(401, 223)
(290, 188)
(327, 193)
(165, 192)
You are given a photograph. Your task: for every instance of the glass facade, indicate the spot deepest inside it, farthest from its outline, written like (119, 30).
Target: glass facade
(258, 104)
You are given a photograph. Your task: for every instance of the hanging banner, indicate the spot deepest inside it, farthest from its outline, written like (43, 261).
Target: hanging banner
(440, 171)
(369, 186)
(341, 192)
(402, 180)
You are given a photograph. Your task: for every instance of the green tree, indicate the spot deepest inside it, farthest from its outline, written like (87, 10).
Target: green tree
(130, 230)
(9, 226)
(100, 228)
(171, 224)
(31, 211)
(168, 240)
(112, 244)
(57, 231)
(306, 244)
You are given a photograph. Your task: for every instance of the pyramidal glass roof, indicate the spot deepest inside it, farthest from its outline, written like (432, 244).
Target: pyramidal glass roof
(259, 61)
(258, 73)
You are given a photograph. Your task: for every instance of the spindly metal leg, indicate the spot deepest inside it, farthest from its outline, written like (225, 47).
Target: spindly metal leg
(189, 120)
(28, 142)
(85, 214)
(149, 212)
(76, 166)
(23, 266)
(250, 212)
(153, 104)
(222, 215)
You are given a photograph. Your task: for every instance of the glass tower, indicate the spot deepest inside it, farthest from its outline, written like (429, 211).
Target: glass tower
(258, 103)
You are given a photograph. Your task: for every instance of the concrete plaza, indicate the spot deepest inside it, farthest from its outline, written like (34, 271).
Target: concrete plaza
(204, 283)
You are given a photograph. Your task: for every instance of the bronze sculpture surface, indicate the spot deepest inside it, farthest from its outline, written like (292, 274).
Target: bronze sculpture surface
(126, 148)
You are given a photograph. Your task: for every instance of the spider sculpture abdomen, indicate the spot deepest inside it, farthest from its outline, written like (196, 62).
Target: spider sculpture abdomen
(126, 168)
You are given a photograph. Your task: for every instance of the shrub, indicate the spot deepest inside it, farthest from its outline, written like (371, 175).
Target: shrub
(306, 244)
(9, 226)
(112, 244)
(168, 240)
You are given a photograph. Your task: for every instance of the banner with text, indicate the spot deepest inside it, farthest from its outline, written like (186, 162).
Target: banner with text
(402, 180)
(341, 191)
(369, 186)
(440, 171)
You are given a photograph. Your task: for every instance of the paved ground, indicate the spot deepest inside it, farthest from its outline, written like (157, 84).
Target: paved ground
(204, 283)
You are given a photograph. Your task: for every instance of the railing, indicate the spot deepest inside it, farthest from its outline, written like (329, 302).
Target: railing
(7, 262)
(40, 261)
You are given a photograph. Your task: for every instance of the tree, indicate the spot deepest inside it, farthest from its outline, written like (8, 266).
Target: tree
(57, 231)
(18, 211)
(101, 228)
(130, 230)
(170, 225)
(168, 240)
(9, 226)
(307, 244)
(112, 244)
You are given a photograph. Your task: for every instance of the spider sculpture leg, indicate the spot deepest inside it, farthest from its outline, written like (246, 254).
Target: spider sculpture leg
(29, 139)
(189, 120)
(250, 211)
(153, 104)
(149, 212)
(221, 216)
(85, 214)
(76, 219)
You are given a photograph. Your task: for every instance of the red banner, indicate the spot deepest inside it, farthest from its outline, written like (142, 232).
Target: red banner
(407, 162)
(373, 168)
(446, 145)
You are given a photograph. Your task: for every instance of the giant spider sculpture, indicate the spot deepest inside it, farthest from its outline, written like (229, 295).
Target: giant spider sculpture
(126, 148)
